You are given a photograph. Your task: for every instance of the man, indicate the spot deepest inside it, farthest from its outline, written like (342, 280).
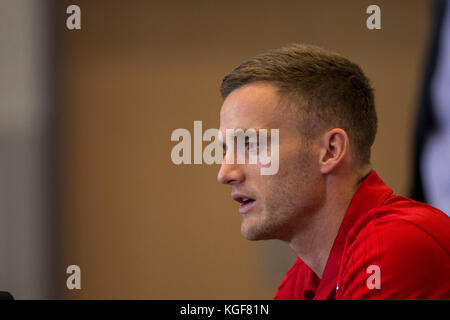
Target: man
(354, 239)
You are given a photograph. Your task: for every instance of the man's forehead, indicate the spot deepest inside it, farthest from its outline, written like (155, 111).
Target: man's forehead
(251, 106)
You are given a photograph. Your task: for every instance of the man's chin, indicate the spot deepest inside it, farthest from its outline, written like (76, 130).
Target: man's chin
(254, 235)
(251, 237)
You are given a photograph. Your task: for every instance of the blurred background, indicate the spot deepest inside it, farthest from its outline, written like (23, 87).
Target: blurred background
(86, 117)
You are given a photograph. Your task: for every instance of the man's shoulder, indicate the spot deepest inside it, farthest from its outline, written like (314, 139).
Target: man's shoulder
(400, 213)
(295, 282)
(407, 242)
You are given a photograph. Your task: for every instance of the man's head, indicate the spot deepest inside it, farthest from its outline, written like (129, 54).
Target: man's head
(323, 106)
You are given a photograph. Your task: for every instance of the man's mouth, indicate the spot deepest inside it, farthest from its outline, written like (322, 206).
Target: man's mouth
(246, 203)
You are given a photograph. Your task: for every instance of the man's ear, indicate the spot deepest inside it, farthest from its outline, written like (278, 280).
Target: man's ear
(334, 147)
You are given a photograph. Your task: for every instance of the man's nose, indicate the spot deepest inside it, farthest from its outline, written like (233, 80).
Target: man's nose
(230, 174)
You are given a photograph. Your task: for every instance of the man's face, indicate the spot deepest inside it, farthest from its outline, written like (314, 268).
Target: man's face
(280, 204)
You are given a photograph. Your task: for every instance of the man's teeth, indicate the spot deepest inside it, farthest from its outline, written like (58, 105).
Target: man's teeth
(245, 199)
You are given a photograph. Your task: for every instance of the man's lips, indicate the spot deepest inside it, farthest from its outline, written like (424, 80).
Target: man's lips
(246, 202)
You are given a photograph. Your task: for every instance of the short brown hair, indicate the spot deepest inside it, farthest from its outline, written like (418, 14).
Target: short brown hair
(328, 89)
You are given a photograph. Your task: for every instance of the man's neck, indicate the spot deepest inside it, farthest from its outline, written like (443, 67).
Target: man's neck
(313, 244)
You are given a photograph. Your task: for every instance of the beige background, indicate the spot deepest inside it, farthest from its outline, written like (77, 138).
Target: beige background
(142, 227)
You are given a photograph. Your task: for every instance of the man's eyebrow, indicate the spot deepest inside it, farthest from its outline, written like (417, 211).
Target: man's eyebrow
(268, 130)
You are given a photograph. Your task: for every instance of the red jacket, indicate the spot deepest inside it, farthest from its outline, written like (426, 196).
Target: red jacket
(387, 247)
